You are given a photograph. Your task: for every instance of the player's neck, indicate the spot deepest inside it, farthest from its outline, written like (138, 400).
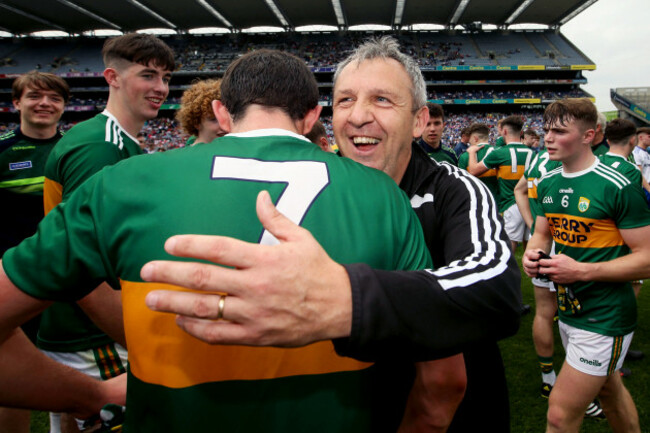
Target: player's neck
(623, 151)
(130, 123)
(579, 161)
(38, 132)
(257, 117)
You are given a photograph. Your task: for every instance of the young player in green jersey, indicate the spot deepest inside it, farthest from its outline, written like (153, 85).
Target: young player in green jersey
(138, 69)
(196, 116)
(431, 139)
(601, 227)
(510, 161)
(177, 383)
(40, 99)
(479, 134)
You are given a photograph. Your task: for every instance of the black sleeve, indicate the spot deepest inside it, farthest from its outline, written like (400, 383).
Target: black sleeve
(429, 314)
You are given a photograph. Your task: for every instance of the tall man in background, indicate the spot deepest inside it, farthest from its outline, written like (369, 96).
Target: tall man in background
(138, 69)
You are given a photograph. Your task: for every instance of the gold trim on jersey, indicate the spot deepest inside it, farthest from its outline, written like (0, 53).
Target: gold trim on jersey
(161, 353)
(52, 194)
(505, 172)
(579, 232)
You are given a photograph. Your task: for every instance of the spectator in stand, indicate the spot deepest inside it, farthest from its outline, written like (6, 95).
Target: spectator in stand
(462, 145)
(431, 140)
(196, 114)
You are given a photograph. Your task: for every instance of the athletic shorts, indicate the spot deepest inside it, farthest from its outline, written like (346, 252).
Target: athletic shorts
(594, 354)
(515, 226)
(102, 362)
(544, 282)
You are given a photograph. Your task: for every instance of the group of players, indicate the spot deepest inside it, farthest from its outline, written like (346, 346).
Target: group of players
(410, 349)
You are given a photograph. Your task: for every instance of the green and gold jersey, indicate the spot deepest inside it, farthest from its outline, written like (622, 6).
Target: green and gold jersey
(119, 220)
(489, 178)
(22, 162)
(510, 161)
(585, 212)
(84, 150)
(601, 148)
(541, 165)
(623, 165)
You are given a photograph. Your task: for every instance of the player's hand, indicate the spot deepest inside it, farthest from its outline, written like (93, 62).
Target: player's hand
(290, 294)
(562, 269)
(111, 391)
(473, 149)
(530, 262)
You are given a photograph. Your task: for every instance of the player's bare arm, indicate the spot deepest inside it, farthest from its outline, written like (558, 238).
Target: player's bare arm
(521, 197)
(29, 379)
(633, 266)
(271, 300)
(475, 167)
(104, 306)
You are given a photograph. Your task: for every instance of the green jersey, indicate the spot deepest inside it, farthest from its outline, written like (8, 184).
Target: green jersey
(22, 162)
(585, 212)
(601, 148)
(119, 220)
(541, 165)
(625, 166)
(489, 178)
(510, 161)
(84, 150)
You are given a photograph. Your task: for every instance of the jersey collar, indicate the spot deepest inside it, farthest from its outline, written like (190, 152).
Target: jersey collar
(272, 132)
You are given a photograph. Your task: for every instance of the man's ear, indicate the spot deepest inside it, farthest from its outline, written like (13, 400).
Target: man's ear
(420, 121)
(222, 115)
(589, 135)
(310, 118)
(111, 76)
(16, 103)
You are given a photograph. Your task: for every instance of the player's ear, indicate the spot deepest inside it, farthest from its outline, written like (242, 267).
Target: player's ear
(16, 103)
(223, 115)
(111, 76)
(420, 121)
(310, 118)
(589, 135)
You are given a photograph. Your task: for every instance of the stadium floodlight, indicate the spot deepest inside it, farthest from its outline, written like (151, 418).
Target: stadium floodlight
(459, 11)
(522, 7)
(576, 12)
(207, 6)
(338, 11)
(152, 13)
(32, 17)
(276, 11)
(399, 12)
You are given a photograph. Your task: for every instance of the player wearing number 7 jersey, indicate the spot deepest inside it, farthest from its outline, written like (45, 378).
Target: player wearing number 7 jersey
(120, 218)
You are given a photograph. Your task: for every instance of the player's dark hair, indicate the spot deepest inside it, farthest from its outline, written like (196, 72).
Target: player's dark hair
(571, 109)
(514, 123)
(530, 132)
(480, 129)
(643, 129)
(465, 131)
(40, 81)
(619, 131)
(317, 131)
(138, 48)
(270, 78)
(435, 110)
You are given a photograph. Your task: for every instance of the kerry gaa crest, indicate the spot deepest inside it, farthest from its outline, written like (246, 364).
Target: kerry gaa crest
(583, 204)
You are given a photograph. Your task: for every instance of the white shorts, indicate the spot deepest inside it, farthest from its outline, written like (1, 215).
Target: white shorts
(537, 282)
(101, 363)
(515, 226)
(591, 353)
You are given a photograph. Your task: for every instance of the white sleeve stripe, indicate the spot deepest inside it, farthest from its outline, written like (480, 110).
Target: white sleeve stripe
(612, 175)
(491, 254)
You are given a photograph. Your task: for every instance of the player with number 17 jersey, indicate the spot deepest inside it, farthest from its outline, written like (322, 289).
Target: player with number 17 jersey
(585, 211)
(541, 165)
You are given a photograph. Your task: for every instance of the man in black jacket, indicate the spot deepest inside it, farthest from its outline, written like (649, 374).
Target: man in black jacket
(293, 294)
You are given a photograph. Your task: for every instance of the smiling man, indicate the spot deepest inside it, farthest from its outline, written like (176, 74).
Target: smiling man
(138, 69)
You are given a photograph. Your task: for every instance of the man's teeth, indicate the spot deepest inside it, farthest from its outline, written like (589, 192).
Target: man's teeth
(365, 140)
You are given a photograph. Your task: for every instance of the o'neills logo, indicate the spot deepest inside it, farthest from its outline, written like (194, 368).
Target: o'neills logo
(566, 191)
(592, 362)
(583, 204)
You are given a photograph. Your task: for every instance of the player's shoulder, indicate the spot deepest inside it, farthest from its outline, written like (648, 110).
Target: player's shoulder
(609, 176)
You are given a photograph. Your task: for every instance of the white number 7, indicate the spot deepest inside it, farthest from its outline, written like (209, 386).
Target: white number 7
(304, 179)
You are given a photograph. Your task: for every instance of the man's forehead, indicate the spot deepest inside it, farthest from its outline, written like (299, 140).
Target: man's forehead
(36, 89)
(359, 68)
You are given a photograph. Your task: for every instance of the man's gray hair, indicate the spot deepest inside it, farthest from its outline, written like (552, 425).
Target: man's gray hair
(602, 121)
(387, 47)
